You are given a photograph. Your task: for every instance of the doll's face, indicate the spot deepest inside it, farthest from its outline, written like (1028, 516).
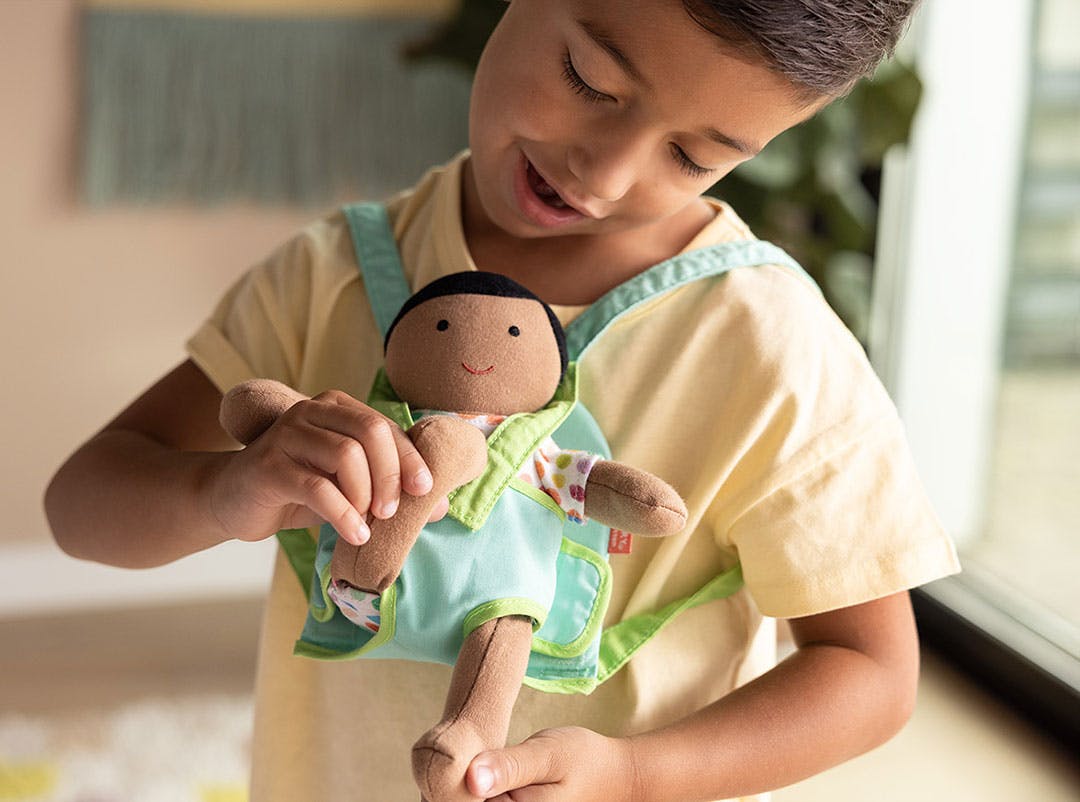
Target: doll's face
(474, 353)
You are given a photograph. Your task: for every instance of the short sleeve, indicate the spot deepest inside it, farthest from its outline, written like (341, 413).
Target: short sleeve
(854, 525)
(820, 498)
(256, 328)
(275, 316)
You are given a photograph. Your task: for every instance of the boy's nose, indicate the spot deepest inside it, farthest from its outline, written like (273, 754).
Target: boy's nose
(610, 165)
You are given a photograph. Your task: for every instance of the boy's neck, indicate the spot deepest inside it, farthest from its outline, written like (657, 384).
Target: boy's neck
(575, 270)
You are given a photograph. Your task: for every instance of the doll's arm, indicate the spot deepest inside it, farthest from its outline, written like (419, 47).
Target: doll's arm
(633, 500)
(453, 451)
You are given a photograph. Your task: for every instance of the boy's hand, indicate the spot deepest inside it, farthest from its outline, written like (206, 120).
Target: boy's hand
(329, 458)
(555, 765)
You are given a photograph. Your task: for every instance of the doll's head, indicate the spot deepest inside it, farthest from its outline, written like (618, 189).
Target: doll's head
(475, 342)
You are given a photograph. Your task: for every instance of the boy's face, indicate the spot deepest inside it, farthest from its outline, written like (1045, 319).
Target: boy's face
(599, 116)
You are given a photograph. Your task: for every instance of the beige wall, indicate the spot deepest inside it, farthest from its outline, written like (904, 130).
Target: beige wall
(94, 305)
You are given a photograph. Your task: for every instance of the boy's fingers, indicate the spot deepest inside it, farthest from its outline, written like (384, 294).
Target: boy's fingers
(532, 762)
(438, 512)
(319, 494)
(404, 468)
(353, 475)
(332, 454)
(379, 453)
(302, 517)
(365, 457)
(415, 476)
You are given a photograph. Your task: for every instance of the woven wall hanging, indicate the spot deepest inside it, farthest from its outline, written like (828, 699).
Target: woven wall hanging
(267, 100)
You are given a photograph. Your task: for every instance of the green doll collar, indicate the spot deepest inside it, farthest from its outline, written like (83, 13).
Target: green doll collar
(509, 446)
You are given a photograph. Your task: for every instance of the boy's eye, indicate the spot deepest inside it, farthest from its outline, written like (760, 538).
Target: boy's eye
(442, 325)
(578, 84)
(688, 165)
(514, 331)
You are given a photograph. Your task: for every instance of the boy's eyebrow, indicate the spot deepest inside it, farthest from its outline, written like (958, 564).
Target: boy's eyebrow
(723, 139)
(605, 40)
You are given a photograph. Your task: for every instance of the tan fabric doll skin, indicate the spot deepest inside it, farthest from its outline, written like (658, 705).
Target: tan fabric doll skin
(468, 353)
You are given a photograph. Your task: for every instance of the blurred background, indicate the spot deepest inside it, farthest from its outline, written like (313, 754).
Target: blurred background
(153, 149)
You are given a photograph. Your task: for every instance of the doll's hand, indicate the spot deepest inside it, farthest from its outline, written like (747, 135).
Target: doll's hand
(329, 458)
(633, 500)
(555, 765)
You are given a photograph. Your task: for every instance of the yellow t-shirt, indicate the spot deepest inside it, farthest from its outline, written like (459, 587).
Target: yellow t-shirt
(745, 392)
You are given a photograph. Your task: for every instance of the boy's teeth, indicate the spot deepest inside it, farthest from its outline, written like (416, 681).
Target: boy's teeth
(545, 191)
(549, 195)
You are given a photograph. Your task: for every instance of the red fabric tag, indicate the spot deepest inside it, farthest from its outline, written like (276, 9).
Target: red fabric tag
(620, 542)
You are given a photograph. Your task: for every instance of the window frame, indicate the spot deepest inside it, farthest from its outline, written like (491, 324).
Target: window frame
(945, 255)
(1022, 665)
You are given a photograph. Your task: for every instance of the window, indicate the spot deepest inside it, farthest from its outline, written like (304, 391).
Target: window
(978, 338)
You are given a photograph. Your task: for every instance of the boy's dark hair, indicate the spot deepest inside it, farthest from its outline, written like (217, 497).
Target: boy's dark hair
(821, 46)
(478, 282)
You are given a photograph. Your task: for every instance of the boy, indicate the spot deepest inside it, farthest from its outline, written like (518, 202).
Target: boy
(594, 129)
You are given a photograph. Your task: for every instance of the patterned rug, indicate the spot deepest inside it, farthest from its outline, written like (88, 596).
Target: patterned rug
(187, 749)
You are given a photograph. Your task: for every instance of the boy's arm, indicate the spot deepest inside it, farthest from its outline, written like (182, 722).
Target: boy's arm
(849, 687)
(163, 480)
(131, 495)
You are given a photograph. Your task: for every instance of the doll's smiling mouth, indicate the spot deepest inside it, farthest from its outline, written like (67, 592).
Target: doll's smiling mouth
(478, 371)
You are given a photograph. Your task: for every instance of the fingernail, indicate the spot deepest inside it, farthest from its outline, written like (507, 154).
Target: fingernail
(389, 508)
(484, 777)
(361, 533)
(423, 482)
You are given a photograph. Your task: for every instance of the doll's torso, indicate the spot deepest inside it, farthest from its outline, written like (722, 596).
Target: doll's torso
(455, 579)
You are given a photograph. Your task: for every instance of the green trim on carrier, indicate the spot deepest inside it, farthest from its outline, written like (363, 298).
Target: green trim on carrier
(299, 548)
(618, 643)
(500, 608)
(591, 629)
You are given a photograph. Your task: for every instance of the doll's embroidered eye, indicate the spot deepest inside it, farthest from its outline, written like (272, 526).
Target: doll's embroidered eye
(442, 325)
(514, 331)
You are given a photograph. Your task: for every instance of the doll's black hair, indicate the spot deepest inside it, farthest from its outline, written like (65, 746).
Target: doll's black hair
(477, 282)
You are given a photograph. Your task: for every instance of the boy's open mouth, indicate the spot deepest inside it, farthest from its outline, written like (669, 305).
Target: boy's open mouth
(543, 189)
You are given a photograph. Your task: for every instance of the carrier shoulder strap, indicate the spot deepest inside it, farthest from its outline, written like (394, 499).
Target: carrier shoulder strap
(377, 255)
(679, 270)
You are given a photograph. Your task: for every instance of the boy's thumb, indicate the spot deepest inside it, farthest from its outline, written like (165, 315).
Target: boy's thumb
(499, 771)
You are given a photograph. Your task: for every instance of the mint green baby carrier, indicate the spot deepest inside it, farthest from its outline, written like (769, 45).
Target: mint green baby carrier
(555, 572)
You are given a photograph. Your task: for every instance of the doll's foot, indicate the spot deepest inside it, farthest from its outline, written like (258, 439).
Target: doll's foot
(441, 757)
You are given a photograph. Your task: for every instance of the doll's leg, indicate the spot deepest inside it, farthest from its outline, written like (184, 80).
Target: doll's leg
(484, 687)
(455, 453)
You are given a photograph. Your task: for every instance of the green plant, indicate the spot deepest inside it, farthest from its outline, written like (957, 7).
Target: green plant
(461, 36)
(814, 190)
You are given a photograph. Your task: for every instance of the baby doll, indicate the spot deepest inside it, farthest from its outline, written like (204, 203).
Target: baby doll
(473, 355)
